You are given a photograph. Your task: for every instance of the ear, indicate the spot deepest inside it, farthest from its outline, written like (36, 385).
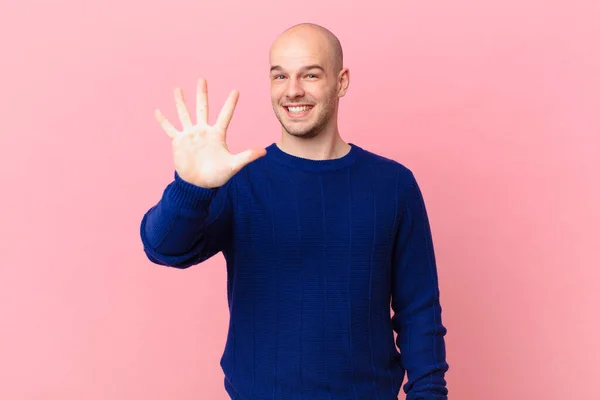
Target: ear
(343, 82)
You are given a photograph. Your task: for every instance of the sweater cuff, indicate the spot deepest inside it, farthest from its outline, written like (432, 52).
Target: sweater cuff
(185, 195)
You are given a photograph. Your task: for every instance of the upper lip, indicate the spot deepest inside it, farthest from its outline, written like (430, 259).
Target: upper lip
(297, 105)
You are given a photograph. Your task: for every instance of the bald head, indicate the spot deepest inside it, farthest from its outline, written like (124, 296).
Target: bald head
(307, 80)
(319, 38)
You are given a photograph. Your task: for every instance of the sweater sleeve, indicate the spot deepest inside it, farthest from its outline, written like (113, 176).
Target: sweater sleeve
(416, 301)
(188, 225)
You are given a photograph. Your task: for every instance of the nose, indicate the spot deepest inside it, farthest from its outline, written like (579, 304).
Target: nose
(294, 89)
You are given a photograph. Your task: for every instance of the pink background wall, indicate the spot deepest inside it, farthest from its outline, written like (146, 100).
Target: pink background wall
(494, 104)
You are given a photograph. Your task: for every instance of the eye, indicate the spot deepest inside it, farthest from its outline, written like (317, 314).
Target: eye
(312, 75)
(278, 77)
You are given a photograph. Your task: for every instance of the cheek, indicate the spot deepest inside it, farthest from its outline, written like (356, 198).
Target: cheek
(276, 94)
(322, 93)
(274, 98)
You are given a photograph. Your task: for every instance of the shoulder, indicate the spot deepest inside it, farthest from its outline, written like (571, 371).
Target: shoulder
(386, 166)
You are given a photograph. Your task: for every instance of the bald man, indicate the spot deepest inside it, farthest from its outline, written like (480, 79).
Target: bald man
(320, 237)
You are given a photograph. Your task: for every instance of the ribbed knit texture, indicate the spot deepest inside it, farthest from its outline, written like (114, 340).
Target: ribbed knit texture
(316, 252)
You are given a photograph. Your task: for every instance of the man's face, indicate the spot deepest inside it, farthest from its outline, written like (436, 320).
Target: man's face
(304, 86)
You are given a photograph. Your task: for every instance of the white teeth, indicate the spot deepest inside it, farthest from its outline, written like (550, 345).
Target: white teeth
(298, 109)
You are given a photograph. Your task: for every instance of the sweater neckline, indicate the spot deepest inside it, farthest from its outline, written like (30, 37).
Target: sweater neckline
(278, 155)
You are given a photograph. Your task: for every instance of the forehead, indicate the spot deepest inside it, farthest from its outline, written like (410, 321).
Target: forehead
(297, 52)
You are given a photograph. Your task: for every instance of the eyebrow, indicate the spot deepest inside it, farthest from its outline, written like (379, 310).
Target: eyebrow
(306, 68)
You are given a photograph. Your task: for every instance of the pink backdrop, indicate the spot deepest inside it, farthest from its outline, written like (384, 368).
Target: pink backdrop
(494, 104)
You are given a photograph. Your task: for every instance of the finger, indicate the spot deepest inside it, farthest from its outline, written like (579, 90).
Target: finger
(227, 110)
(184, 115)
(165, 124)
(202, 102)
(245, 157)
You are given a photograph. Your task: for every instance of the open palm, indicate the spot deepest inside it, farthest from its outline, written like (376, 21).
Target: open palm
(200, 152)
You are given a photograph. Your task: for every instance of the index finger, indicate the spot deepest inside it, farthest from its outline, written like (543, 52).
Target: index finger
(227, 110)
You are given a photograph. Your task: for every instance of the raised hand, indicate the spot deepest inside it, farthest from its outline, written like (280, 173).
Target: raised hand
(200, 152)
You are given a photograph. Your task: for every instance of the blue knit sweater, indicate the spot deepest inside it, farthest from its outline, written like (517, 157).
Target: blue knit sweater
(318, 253)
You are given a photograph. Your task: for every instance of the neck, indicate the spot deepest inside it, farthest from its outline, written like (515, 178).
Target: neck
(324, 146)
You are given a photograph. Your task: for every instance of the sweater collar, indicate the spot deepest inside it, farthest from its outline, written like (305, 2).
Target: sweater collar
(275, 154)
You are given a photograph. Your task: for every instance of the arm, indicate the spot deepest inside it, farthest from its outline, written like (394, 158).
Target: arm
(192, 221)
(416, 301)
(189, 224)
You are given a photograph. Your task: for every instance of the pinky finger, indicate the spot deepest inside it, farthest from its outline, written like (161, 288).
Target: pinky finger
(165, 124)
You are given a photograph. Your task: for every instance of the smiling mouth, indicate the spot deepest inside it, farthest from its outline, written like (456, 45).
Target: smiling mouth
(298, 111)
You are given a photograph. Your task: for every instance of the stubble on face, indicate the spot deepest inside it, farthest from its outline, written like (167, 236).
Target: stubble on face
(322, 110)
(298, 47)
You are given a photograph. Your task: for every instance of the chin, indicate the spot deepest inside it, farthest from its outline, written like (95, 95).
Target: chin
(295, 130)
(302, 133)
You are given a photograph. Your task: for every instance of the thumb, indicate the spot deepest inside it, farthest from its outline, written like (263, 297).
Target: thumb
(245, 157)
